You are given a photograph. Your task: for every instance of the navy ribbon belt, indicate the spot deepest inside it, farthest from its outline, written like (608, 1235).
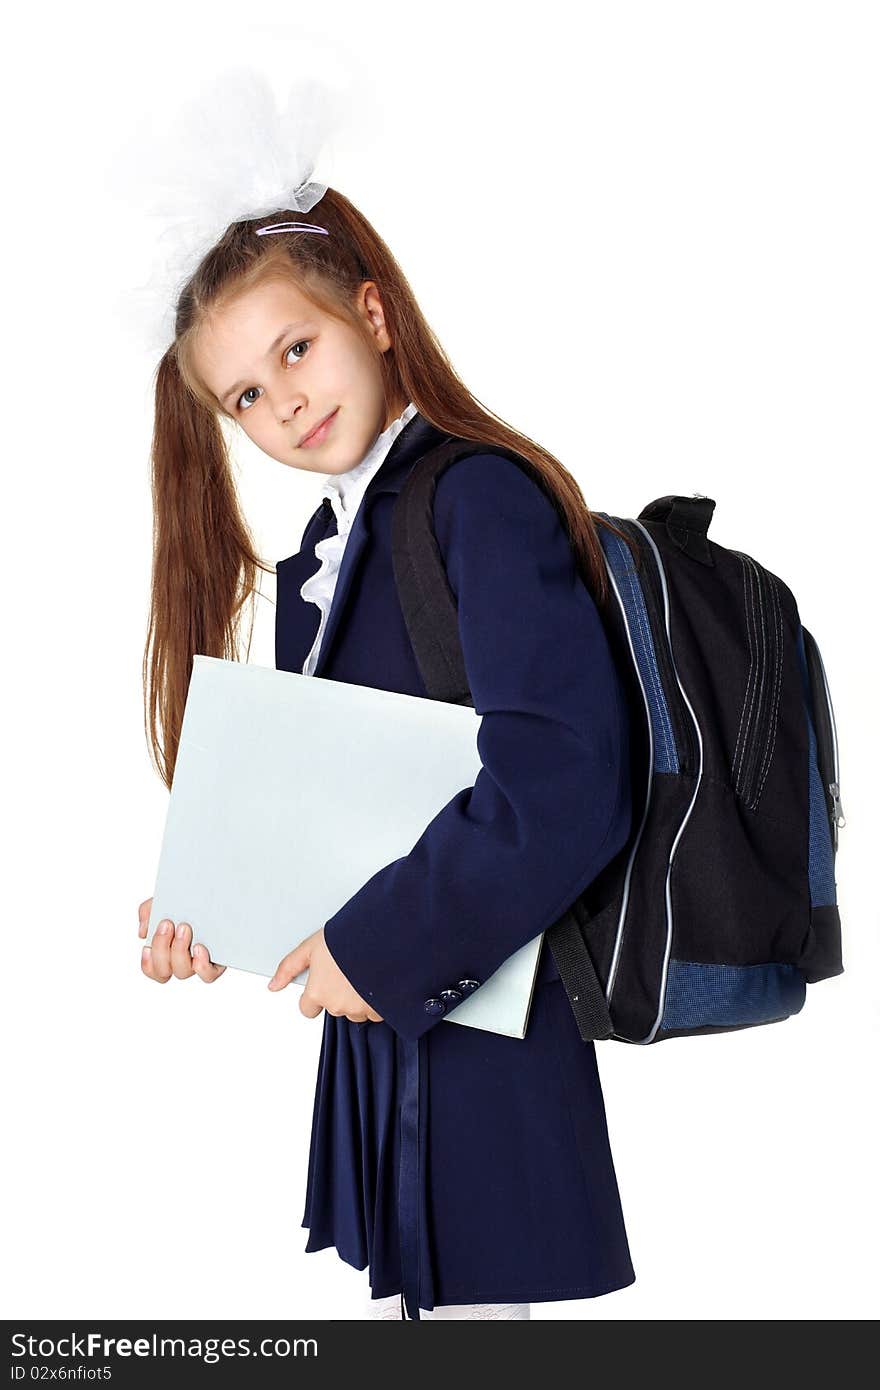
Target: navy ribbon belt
(412, 1208)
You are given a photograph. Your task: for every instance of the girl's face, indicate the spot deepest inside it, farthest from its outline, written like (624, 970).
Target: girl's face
(279, 366)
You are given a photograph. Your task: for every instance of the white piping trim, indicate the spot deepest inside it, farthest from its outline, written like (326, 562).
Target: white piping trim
(690, 808)
(612, 973)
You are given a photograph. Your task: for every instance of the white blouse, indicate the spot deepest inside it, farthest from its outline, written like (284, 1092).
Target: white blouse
(345, 491)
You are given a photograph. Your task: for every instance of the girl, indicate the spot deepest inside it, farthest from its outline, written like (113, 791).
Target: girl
(470, 1171)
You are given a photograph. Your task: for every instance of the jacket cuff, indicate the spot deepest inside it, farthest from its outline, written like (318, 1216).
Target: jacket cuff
(358, 954)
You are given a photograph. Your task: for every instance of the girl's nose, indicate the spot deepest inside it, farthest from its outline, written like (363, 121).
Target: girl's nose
(291, 411)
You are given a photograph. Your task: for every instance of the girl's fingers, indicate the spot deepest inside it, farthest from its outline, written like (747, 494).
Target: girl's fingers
(144, 910)
(291, 965)
(160, 950)
(147, 965)
(204, 966)
(181, 959)
(170, 953)
(308, 1006)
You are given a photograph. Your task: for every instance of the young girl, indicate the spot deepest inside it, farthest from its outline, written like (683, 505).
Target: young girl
(469, 1170)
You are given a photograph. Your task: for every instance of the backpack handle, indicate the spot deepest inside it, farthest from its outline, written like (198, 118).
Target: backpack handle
(687, 523)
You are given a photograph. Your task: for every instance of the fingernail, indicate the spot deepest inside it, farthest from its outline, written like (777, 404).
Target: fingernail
(145, 953)
(180, 927)
(196, 948)
(164, 928)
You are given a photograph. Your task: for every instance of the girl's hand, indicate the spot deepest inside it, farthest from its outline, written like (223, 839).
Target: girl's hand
(327, 987)
(170, 954)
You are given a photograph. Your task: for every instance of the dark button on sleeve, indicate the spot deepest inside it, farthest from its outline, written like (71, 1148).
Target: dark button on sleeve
(468, 986)
(435, 1006)
(451, 996)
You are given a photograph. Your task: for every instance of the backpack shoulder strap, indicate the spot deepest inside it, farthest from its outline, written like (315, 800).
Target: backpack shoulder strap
(431, 617)
(428, 604)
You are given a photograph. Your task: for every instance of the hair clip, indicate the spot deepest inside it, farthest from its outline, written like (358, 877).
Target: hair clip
(291, 227)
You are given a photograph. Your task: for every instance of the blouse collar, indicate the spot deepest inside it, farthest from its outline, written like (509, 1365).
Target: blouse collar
(345, 490)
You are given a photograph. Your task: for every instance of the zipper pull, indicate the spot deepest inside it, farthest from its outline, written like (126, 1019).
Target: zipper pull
(834, 788)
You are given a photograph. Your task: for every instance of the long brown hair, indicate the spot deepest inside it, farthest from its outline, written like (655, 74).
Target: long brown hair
(204, 561)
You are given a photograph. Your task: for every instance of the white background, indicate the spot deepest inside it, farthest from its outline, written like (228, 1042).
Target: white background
(647, 236)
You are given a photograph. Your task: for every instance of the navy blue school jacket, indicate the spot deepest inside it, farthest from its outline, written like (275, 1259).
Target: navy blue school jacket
(550, 806)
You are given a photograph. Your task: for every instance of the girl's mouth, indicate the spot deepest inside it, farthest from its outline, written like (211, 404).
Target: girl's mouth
(319, 434)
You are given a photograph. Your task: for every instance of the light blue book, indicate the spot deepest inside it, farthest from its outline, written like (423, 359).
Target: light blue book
(276, 772)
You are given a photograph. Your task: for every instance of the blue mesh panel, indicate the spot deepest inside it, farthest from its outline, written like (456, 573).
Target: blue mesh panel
(823, 890)
(621, 564)
(700, 996)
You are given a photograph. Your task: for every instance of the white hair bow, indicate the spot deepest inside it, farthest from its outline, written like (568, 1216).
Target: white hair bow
(230, 154)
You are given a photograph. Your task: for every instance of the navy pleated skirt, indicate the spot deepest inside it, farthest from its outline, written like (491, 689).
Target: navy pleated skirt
(518, 1197)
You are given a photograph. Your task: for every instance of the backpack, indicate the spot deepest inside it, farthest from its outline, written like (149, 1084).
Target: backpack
(722, 906)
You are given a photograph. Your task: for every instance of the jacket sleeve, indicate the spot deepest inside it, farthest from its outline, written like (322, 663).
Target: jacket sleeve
(551, 803)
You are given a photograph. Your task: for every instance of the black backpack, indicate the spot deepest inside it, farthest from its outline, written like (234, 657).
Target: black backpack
(722, 906)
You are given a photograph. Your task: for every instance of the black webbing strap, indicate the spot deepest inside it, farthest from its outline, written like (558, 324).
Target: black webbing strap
(582, 985)
(428, 603)
(431, 615)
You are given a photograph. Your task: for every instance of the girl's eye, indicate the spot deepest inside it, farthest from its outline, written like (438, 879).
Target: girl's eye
(303, 342)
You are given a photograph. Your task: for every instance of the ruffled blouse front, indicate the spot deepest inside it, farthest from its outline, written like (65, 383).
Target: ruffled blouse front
(345, 491)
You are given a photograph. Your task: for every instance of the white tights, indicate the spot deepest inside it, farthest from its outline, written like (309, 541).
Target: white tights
(388, 1310)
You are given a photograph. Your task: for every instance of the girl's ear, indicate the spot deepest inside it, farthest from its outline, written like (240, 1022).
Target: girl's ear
(370, 305)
